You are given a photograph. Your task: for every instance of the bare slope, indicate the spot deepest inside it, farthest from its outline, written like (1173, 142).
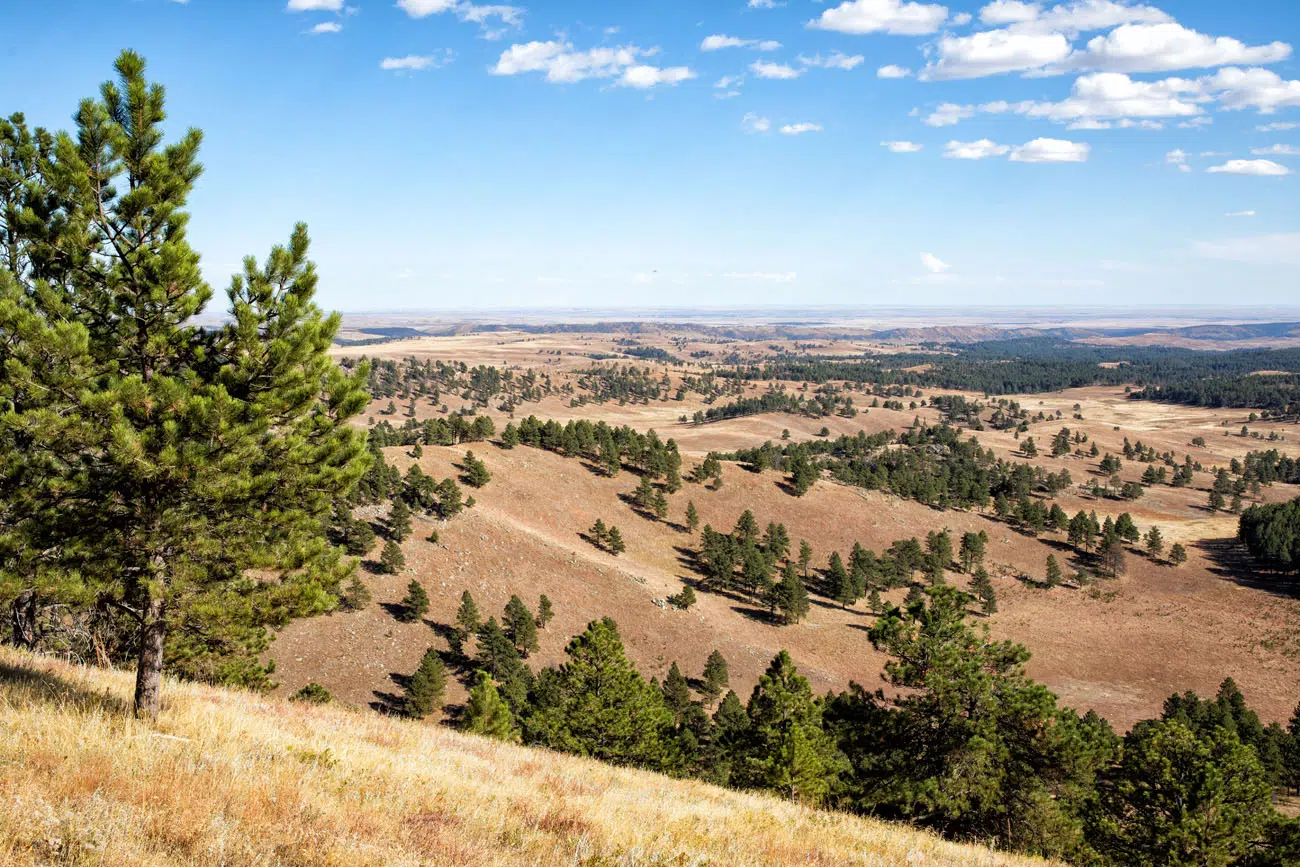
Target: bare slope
(227, 778)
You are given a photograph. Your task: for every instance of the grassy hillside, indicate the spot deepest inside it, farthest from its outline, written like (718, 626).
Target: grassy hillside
(231, 778)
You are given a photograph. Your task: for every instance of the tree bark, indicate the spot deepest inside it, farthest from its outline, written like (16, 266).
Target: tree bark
(23, 612)
(148, 672)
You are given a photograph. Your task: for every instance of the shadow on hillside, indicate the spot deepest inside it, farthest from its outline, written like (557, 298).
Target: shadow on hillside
(31, 686)
(1229, 560)
(393, 703)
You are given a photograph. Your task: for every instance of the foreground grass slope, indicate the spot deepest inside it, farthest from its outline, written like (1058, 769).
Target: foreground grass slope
(229, 778)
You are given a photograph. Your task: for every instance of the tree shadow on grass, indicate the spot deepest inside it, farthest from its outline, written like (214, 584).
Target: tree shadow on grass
(392, 703)
(1229, 559)
(23, 685)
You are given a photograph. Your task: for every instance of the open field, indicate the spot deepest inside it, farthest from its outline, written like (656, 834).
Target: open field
(227, 778)
(1120, 647)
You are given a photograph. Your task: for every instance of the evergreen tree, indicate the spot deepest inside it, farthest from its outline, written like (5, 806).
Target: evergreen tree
(1177, 554)
(786, 750)
(677, 692)
(476, 472)
(425, 689)
(692, 517)
(391, 559)
(715, 678)
(186, 456)
(544, 611)
(467, 620)
(791, 596)
(972, 550)
(982, 587)
(599, 534)
(1216, 501)
(805, 556)
(415, 604)
(1155, 543)
(1053, 575)
(601, 706)
(683, 599)
(1113, 556)
(841, 582)
(614, 542)
(509, 439)
(485, 712)
(356, 596)
(520, 626)
(496, 654)
(399, 521)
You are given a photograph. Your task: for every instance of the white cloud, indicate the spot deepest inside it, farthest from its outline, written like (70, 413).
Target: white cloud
(768, 45)
(934, 264)
(1001, 12)
(424, 8)
(835, 60)
(314, 6)
(994, 52)
(754, 123)
(562, 65)
(975, 150)
(1277, 150)
(326, 27)
(727, 82)
(718, 42)
(1260, 168)
(764, 4)
(883, 16)
(961, 19)
(1166, 47)
(800, 128)
(1260, 250)
(506, 16)
(1240, 214)
(901, 147)
(892, 71)
(1178, 157)
(1255, 88)
(1276, 127)
(1050, 150)
(949, 114)
(411, 63)
(774, 70)
(1082, 16)
(1113, 95)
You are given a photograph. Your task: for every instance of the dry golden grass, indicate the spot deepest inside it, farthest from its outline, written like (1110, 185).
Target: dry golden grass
(228, 778)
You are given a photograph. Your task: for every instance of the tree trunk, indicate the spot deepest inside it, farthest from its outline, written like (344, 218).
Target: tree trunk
(148, 672)
(23, 613)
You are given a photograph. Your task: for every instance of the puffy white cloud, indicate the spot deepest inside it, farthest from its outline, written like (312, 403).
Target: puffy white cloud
(506, 17)
(902, 17)
(949, 114)
(835, 60)
(774, 70)
(901, 147)
(1277, 150)
(425, 8)
(754, 123)
(1050, 150)
(934, 264)
(1281, 249)
(1166, 47)
(892, 71)
(1178, 157)
(1001, 12)
(642, 76)
(975, 150)
(1260, 168)
(410, 63)
(1256, 88)
(718, 42)
(1113, 95)
(994, 52)
(1085, 15)
(314, 6)
(326, 27)
(768, 45)
(727, 82)
(1240, 214)
(800, 128)
(562, 65)
(1277, 127)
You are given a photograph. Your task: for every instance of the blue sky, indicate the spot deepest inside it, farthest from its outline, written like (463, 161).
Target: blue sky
(452, 154)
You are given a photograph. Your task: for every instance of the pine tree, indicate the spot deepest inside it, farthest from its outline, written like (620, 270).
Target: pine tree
(1177, 554)
(599, 534)
(982, 587)
(476, 472)
(791, 596)
(391, 559)
(1053, 576)
(1216, 501)
(677, 692)
(509, 439)
(496, 654)
(683, 599)
(1155, 542)
(356, 596)
(187, 456)
(805, 556)
(486, 713)
(615, 542)
(841, 582)
(786, 749)
(692, 518)
(715, 678)
(972, 550)
(425, 689)
(467, 620)
(399, 521)
(544, 611)
(415, 604)
(520, 626)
